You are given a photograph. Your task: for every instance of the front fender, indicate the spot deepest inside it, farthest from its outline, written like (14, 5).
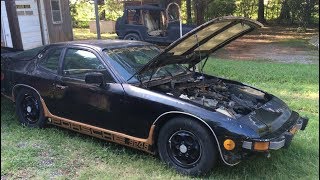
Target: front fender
(160, 105)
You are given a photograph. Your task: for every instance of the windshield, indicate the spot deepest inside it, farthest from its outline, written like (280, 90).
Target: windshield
(128, 61)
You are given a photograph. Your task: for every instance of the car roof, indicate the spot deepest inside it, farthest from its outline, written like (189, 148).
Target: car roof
(104, 44)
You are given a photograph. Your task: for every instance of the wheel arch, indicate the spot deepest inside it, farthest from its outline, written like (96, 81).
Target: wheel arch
(16, 88)
(167, 116)
(134, 32)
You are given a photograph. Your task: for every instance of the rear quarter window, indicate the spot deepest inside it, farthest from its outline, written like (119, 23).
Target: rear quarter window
(29, 54)
(51, 60)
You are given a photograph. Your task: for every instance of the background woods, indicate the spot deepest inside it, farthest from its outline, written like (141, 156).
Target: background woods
(283, 12)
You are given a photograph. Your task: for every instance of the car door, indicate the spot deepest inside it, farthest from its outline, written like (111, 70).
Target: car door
(93, 104)
(46, 73)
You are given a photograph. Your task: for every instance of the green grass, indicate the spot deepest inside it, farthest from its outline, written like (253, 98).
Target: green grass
(295, 43)
(85, 34)
(59, 153)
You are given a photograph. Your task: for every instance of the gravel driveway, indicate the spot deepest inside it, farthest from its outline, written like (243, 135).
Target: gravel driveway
(275, 44)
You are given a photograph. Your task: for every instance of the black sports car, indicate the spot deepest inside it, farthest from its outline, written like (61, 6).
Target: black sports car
(134, 94)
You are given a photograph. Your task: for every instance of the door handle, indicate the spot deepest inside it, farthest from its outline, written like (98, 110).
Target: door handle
(60, 86)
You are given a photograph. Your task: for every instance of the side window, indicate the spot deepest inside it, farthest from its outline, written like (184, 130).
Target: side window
(51, 60)
(78, 62)
(134, 17)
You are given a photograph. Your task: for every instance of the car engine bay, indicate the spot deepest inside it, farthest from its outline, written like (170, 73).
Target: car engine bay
(227, 98)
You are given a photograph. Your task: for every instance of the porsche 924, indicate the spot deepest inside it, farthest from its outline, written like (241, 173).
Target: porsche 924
(154, 100)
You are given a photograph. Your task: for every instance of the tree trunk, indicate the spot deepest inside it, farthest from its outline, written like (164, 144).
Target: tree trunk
(285, 11)
(189, 18)
(308, 11)
(261, 12)
(199, 8)
(103, 13)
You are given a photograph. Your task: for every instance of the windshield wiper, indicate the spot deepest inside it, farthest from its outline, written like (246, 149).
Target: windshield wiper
(134, 74)
(137, 72)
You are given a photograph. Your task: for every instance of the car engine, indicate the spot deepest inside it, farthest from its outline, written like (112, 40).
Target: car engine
(227, 98)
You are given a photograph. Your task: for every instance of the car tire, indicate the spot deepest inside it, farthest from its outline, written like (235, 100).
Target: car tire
(29, 109)
(187, 146)
(132, 36)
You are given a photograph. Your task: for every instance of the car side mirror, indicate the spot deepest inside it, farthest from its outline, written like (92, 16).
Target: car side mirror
(94, 78)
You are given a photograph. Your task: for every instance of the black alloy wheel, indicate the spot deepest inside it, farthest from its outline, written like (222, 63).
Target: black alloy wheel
(185, 148)
(29, 108)
(186, 145)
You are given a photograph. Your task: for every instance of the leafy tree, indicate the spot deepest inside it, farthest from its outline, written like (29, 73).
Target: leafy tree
(102, 12)
(209, 9)
(302, 12)
(112, 8)
(82, 11)
(298, 11)
(247, 8)
(272, 9)
(219, 8)
(285, 11)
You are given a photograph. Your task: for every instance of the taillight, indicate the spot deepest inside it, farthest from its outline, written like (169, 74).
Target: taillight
(2, 76)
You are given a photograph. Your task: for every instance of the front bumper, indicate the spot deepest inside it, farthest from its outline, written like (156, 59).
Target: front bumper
(283, 141)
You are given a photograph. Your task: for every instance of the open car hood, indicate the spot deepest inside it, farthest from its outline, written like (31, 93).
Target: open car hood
(202, 41)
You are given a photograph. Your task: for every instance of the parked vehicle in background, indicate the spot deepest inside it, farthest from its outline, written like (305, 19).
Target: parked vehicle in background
(149, 23)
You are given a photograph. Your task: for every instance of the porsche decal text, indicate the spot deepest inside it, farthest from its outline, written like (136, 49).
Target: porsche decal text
(102, 134)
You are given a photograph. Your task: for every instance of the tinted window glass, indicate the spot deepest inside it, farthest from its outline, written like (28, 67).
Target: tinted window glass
(28, 54)
(127, 61)
(78, 62)
(51, 61)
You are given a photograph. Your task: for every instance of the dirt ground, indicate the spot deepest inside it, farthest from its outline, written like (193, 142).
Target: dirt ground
(275, 44)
